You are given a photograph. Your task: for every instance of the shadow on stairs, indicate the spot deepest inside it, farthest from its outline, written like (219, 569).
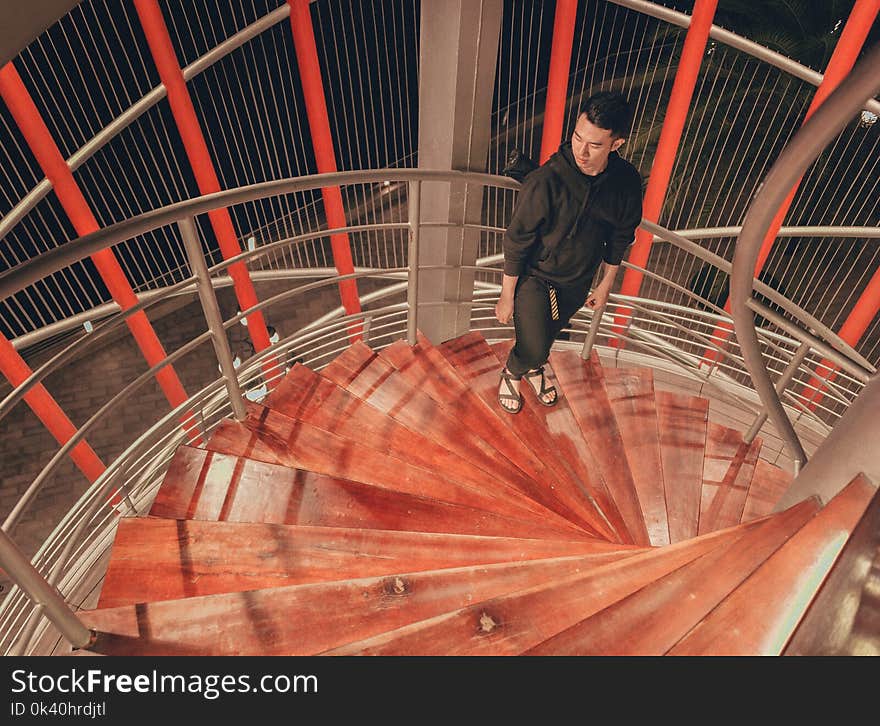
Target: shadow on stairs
(388, 505)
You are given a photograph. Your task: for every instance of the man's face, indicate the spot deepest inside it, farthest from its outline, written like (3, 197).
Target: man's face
(591, 146)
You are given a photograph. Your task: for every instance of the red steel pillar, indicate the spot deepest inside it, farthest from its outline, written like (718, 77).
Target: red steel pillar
(47, 154)
(846, 52)
(667, 147)
(557, 80)
(322, 142)
(48, 411)
(165, 58)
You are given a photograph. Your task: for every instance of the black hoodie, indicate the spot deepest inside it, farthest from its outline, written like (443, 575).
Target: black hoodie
(565, 222)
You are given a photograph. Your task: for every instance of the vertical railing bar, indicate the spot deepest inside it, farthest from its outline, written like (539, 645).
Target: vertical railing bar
(787, 375)
(211, 309)
(412, 291)
(26, 576)
(593, 332)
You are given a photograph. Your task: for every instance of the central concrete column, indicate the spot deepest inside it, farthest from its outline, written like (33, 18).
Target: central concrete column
(850, 449)
(457, 59)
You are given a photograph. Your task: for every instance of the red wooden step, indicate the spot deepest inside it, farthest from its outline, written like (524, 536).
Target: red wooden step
(652, 620)
(208, 485)
(306, 396)
(727, 475)
(681, 420)
(479, 368)
(761, 615)
(511, 624)
(377, 378)
(168, 559)
(300, 445)
(309, 619)
(631, 394)
(563, 429)
(769, 483)
(373, 379)
(583, 386)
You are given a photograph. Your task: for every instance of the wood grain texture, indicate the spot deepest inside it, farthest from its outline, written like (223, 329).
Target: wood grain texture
(563, 429)
(396, 394)
(583, 384)
(769, 483)
(681, 421)
(631, 394)
(479, 367)
(724, 498)
(305, 396)
(309, 619)
(210, 486)
(167, 559)
(655, 618)
(784, 585)
(513, 623)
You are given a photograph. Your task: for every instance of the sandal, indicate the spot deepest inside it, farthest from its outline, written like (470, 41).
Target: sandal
(507, 379)
(544, 390)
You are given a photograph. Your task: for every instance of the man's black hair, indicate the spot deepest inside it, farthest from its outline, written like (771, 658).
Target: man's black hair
(609, 110)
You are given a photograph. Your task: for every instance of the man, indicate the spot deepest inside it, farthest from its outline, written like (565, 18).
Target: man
(579, 209)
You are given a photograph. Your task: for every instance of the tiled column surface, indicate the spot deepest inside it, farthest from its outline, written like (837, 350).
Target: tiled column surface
(85, 384)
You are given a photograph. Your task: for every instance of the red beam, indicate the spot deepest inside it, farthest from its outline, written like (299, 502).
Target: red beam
(857, 322)
(322, 142)
(165, 58)
(47, 154)
(667, 147)
(48, 411)
(557, 80)
(846, 52)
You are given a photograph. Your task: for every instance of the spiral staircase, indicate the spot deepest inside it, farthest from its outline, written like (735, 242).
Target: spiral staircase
(387, 505)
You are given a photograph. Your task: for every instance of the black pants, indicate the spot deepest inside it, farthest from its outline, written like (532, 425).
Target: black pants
(533, 321)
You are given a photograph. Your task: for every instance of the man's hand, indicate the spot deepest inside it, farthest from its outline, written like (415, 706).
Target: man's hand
(504, 308)
(597, 298)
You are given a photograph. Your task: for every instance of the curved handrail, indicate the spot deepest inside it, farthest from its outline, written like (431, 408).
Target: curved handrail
(862, 82)
(61, 257)
(27, 273)
(273, 17)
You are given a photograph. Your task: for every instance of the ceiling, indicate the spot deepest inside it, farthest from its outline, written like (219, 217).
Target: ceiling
(21, 22)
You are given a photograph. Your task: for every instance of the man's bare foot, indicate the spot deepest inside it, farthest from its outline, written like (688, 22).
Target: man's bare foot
(508, 392)
(538, 381)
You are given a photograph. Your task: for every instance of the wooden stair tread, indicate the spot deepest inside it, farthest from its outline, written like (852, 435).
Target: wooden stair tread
(375, 381)
(168, 559)
(208, 485)
(728, 468)
(653, 619)
(479, 367)
(511, 624)
(300, 445)
(389, 506)
(583, 386)
(562, 427)
(631, 394)
(784, 585)
(681, 421)
(769, 483)
(309, 619)
(306, 396)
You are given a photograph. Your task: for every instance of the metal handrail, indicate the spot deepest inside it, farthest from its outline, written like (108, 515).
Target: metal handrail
(182, 213)
(862, 83)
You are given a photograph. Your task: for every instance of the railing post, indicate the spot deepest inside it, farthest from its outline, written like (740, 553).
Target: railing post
(412, 290)
(795, 363)
(211, 309)
(862, 83)
(26, 576)
(593, 332)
